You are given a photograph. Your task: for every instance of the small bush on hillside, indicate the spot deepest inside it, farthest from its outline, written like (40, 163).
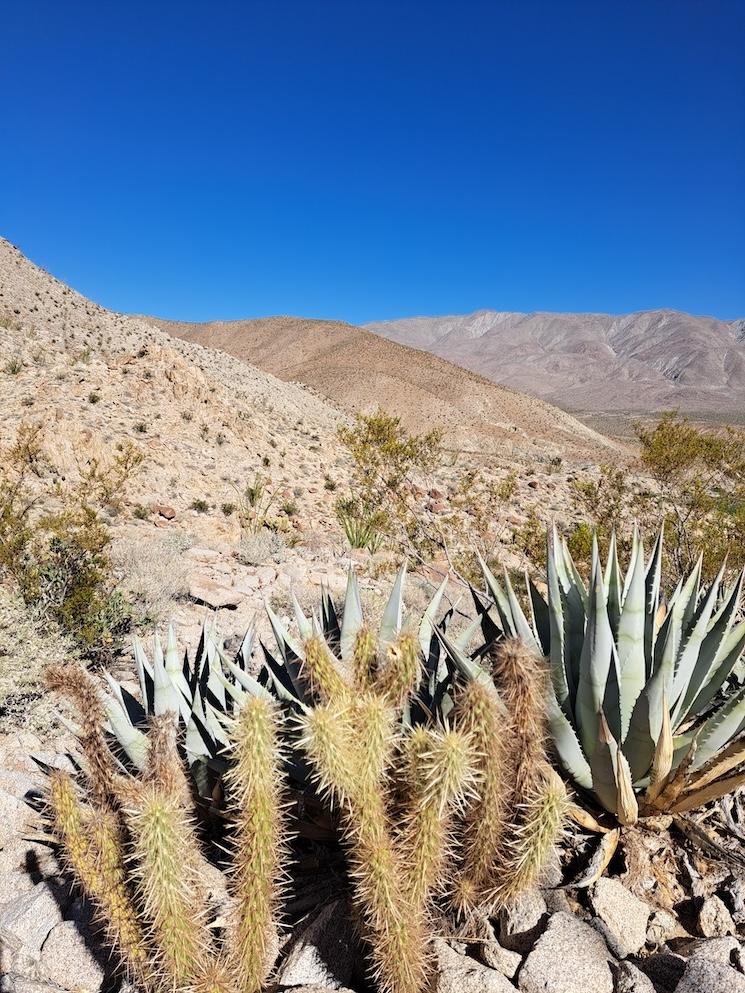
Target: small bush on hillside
(153, 574)
(261, 547)
(201, 506)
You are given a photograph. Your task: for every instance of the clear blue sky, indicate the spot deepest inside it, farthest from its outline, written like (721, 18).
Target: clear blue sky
(365, 160)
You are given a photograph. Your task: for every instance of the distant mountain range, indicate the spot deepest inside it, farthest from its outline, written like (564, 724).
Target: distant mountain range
(594, 363)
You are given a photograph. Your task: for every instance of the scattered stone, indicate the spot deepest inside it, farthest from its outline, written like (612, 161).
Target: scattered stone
(621, 917)
(66, 959)
(726, 950)
(323, 953)
(164, 511)
(13, 815)
(461, 974)
(310, 989)
(213, 595)
(523, 921)
(702, 975)
(662, 926)
(714, 920)
(665, 970)
(570, 956)
(31, 917)
(629, 979)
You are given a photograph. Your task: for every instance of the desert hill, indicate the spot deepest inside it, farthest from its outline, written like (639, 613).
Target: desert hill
(642, 362)
(360, 371)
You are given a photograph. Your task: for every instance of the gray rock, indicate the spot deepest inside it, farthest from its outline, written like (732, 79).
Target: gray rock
(570, 956)
(663, 925)
(522, 923)
(629, 979)
(725, 950)
(460, 974)
(323, 953)
(13, 816)
(621, 917)
(702, 975)
(665, 970)
(714, 920)
(310, 989)
(31, 917)
(67, 961)
(503, 960)
(214, 595)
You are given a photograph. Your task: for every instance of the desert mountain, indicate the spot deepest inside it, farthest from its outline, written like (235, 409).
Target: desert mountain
(647, 361)
(360, 371)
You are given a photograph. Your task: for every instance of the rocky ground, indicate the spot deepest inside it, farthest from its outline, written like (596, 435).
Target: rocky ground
(556, 939)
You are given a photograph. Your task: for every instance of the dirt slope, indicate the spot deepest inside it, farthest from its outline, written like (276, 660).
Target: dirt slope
(360, 371)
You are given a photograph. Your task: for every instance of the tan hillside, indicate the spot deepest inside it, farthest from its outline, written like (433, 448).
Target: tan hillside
(360, 371)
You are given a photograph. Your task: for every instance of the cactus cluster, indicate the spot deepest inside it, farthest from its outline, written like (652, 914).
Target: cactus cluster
(635, 711)
(403, 735)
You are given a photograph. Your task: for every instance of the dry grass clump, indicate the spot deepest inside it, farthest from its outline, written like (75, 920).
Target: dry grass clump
(153, 574)
(26, 647)
(261, 547)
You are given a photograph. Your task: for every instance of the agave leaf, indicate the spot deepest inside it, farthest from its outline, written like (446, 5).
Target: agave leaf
(566, 744)
(603, 766)
(731, 651)
(645, 725)
(352, 619)
(597, 656)
(689, 656)
(613, 585)
(600, 860)
(713, 647)
(247, 645)
(429, 620)
(303, 623)
(540, 614)
(723, 725)
(199, 743)
(244, 680)
(133, 741)
(144, 675)
(467, 666)
(631, 661)
(522, 627)
(501, 600)
(292, 654)
(723, 762)
(166, 698)
(390, 625)
(652, 583)
(711, 792)
(561, 671)
(575, 580)
(330, 619)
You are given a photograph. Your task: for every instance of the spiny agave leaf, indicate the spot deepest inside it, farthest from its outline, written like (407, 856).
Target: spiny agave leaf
(636, 550)
(303, 623)
(429, 620)
(390, 625)
(215, 725)
(731, 652)
(597, 656)
(611, 777)
(566, 744)
(284, 683)
(352, 619)
(574, 610)
(144, 675)
(166, 698)
(722, 762)
(711, 792)
(133, 741)
(576, 580)
(652, 583)
(645, 724)
(330, 619)
(540, 613)
(713, 646)
(690, 593)
(500, 598)
(244, 680)
(465, 638)
(689, 656)
(561, 671)
(631, 661)
(723, 725)
(199, 743)
(667, 648)
(132, 706)
(522, 627)
(467, 667)
(247, 645)
(613, 585)
(292, 654)
(490, 630)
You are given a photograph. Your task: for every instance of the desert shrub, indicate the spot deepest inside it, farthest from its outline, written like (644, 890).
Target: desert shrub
(104, 479)
(228, 508)
(255, 501)
(289, 507)
(259, 547)
(153, 575)
(201, 506)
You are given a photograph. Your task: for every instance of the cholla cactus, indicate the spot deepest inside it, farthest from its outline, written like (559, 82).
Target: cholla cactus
(635, 713)
(409, 746)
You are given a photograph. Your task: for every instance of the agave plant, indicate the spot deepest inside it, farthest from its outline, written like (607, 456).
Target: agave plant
(640, 711)
(436, 810)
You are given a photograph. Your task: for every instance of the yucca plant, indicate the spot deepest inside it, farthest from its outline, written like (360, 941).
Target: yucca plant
(408, 746)
(641, 714)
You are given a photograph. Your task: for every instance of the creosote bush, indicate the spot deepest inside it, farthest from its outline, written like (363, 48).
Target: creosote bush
(436, 811)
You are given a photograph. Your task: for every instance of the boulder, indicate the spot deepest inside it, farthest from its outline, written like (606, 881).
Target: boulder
(213, 595)
(620, 916)
(662, 926)
(570, 956)
(67, 960)
(164, 511)
(714, 920)
(523, 921)
(702, 975)
(31, 917)
(13, 815)
(458, 973)
(323, 953)
(726, 950)
(630, 979)
(664, 969)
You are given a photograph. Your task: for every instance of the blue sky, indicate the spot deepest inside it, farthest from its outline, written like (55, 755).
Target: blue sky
(365, 160)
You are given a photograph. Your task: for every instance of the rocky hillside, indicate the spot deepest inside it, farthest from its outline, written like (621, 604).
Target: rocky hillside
(360, 371)
(643, 362)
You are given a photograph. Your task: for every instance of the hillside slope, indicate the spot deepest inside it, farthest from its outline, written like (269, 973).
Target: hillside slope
(647, 361)
(360, 371)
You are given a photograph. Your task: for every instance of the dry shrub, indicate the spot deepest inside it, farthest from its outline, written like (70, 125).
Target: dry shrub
(153, 574)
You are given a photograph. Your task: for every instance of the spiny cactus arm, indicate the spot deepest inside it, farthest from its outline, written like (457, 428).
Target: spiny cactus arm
(481, 714)
(364, 658)
(543, 815)
(75, 683)
(163, 840)
(92, 847)
(256, 804)
(401, 670)
(440, 774)
(325, 680)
